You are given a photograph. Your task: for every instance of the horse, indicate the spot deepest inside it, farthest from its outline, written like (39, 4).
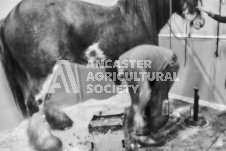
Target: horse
(38, 33)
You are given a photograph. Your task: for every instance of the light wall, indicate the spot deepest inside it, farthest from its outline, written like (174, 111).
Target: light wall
(203, 69)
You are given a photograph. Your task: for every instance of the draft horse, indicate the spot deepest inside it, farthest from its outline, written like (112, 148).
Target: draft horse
(38, 33)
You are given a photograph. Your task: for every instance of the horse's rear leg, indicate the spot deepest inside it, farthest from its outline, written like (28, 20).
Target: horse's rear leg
(56, 118)
(39, 133)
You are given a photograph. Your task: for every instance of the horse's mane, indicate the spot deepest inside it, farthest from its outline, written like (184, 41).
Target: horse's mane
(142, 8)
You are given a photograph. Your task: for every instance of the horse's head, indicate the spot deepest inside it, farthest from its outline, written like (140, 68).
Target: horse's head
(190, 12)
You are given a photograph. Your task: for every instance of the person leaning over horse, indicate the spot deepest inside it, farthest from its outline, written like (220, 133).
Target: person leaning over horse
(149, 91)
(221, 19)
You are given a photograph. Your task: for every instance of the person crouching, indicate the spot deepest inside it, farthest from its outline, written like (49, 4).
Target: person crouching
(153, 70)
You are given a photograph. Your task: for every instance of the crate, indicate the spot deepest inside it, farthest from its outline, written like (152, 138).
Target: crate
(107, 132)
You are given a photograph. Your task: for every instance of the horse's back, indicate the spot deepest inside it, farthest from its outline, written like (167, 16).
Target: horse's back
(38, 19)
(39, 32)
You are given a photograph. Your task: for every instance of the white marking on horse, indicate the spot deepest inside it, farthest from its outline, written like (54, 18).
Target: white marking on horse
(94, 52)
(46, 85)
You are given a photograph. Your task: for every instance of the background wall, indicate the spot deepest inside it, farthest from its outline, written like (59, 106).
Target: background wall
(203, 69)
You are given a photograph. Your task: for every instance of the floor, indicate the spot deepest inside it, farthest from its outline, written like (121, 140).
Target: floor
(180, 138)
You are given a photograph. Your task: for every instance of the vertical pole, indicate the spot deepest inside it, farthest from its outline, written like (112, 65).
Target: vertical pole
(218, 32)
(170, 23)
(196, 105)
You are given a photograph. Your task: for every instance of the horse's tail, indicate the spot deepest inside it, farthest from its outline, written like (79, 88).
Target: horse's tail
(16, 76)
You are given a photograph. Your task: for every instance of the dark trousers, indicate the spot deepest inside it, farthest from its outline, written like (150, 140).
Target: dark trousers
(156, 92)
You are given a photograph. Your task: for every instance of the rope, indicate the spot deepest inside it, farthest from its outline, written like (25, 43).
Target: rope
(174, 35)
(170, 26)
(185, 39)
(185, 47)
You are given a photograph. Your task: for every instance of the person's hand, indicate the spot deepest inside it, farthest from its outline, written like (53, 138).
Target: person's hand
(206, 11)
(203, 10)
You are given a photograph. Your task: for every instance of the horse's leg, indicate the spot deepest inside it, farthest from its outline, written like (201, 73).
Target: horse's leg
(56, 118)
(39, 133)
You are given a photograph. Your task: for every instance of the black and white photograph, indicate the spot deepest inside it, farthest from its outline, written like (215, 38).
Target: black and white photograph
(112, 75)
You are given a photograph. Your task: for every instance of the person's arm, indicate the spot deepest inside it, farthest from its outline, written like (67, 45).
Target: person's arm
(221, 19)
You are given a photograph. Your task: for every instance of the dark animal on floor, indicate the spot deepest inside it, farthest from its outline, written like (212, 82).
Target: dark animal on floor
(38, 33)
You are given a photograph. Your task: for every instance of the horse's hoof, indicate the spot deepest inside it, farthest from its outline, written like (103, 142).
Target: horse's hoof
(59, 120)
(53, 144)
(41, 139)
